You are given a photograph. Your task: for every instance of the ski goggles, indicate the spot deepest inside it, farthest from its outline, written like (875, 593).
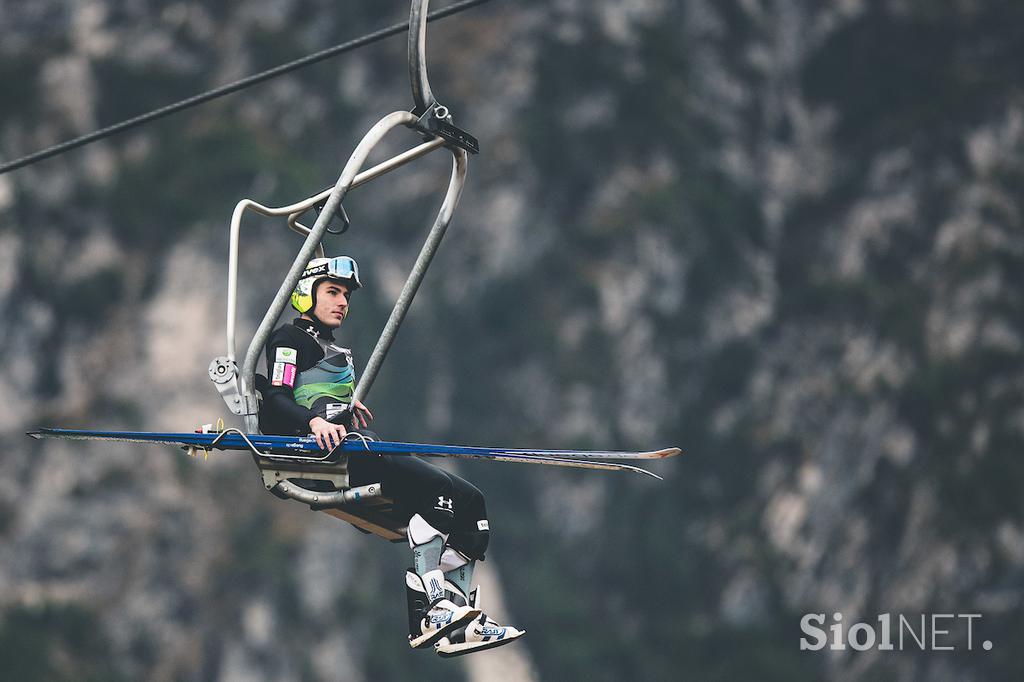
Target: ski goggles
(339, 267)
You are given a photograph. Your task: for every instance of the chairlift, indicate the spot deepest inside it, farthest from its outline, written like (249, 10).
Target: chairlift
(283, 460)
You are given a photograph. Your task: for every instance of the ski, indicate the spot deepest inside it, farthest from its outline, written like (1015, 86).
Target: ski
(306, 445)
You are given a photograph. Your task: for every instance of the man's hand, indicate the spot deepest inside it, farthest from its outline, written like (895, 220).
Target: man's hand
(361, 415)
(328, 436)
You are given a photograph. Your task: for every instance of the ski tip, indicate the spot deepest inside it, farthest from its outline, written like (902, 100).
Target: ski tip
(34, 434)
(661, 454)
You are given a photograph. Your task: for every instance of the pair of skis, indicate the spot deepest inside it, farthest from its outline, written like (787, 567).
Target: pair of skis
(306, 446)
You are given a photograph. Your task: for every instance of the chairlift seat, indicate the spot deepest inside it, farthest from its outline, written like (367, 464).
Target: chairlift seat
(371, 514)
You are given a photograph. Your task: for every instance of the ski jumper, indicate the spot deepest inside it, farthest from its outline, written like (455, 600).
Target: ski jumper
(311, 377)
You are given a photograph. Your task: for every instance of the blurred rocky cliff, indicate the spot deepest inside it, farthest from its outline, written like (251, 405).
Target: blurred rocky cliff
(785, 236)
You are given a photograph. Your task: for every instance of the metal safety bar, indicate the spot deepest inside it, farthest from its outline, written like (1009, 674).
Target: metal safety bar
(294, 212)
(362, 178)
(419, 269)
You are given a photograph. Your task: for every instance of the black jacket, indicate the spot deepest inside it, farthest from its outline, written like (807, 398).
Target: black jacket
(279, 413)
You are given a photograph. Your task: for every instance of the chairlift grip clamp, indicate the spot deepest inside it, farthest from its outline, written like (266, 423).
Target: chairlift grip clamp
(436, 121)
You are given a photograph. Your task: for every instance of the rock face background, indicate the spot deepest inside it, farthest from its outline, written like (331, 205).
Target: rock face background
(786, 236)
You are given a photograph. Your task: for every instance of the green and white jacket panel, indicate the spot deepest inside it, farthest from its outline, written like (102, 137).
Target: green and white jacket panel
(327, 387)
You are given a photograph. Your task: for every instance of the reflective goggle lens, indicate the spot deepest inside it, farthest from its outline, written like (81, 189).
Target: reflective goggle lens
(344, 267)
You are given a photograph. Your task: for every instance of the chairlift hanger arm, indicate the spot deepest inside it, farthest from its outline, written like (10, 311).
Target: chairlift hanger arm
(435, 120)
(422, 95)
(431, 119)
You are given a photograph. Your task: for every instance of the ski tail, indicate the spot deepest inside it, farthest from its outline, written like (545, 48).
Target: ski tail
(230, 440)
(553, 461)
(428, 450)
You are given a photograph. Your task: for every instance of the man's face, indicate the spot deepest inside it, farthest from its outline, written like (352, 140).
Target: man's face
(331, 303)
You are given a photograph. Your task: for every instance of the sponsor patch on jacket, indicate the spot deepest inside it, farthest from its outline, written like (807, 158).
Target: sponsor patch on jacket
(334, 409)
(283, 375)
(482, 524)
(283, 372)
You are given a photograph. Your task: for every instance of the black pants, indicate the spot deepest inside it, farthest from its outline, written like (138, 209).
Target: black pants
(447, 502)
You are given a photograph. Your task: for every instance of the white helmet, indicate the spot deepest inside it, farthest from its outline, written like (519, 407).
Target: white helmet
(340, 268)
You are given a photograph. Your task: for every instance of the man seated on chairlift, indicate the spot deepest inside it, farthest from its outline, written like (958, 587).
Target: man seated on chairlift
(310, 391)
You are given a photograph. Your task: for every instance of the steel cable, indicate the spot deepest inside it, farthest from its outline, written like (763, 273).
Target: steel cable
(230, 88)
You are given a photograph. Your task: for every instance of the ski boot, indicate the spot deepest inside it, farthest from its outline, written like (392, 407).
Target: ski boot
(429, 620)
(481, 634)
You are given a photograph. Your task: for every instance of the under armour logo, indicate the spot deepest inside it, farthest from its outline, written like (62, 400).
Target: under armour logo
(445, 503)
